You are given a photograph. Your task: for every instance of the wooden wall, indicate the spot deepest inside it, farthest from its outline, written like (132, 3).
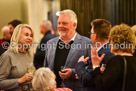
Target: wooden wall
(116, 11)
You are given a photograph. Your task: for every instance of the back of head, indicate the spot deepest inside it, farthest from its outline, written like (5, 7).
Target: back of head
(44, 80)
(6, 33)
(123, 36)
(101, 27)
(15, 22)
(70, 13)
(47, 24)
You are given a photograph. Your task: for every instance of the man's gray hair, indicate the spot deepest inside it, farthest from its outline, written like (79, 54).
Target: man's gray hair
(47, 24)
(70, 13)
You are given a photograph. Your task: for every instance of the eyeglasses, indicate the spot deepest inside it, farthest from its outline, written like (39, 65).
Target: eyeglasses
(90, 33)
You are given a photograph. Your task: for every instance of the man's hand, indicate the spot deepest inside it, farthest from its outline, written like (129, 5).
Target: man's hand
(96, 60)
(83, 59)
(66, 73)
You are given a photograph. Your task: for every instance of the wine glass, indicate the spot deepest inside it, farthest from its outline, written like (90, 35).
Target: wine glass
(62, 84)
(31, 68)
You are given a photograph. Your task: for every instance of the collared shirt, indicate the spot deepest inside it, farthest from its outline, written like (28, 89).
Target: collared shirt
(73, 38)
(100, 47)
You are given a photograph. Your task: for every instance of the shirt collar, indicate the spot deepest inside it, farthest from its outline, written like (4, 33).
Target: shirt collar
(73, 38)
(100, 47)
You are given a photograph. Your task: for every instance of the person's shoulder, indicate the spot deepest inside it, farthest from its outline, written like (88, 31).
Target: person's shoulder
(6, 56)
(53, 40)
(8, 52)
(84, 38)
(116, 59)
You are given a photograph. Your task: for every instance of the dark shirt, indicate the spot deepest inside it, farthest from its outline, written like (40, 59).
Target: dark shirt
(4, 44)
(60, 59)
(40, 52)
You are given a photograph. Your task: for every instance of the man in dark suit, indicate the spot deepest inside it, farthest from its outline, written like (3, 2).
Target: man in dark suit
(99, 36)
(45, 29)
(65, 50)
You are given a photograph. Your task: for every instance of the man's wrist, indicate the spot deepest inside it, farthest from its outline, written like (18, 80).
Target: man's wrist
(95, 66)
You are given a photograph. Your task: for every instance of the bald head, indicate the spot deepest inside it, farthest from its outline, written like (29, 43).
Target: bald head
(45, 26)
(6, 33)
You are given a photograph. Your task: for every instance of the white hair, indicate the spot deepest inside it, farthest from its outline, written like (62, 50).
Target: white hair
(43, 80)
(47, 24)
(70, 13)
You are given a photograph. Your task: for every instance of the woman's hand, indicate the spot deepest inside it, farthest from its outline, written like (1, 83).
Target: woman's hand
(96, 60)
(25, 78)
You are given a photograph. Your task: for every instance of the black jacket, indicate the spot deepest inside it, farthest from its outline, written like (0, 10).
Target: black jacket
(40, 53)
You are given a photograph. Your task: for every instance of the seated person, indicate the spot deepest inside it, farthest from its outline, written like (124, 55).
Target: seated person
(44, 80)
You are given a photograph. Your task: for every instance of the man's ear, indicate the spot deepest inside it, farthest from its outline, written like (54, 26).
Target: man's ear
(96, 36)
(74, 25)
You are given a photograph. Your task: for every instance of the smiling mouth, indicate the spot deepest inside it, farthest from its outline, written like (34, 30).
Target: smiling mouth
(28, 42)
(62, 29)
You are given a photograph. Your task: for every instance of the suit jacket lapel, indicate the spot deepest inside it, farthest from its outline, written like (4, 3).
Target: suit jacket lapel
(72, 50)
(53, 52)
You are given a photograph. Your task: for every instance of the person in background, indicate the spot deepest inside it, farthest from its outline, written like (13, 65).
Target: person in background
(45, 29)
(12, 24)
(5, 41)
(99, 36)
(6, 33)
(64, 51)
(15, 62)
(122, 40)
(44, 80)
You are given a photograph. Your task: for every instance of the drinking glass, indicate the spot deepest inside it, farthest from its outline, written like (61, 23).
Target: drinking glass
(62, 84)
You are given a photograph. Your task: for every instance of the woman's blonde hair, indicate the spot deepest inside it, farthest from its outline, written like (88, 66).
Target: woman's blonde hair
(43, 80)
(122, 35)
(15, 38)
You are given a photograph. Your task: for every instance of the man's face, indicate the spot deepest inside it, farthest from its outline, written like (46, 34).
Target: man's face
(65, 26)
(93, 36)
(11, 28)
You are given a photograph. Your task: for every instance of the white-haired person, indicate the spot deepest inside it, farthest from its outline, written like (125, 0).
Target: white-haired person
(64, 51)
(44, 80)
(15, 61)
(120, 72)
